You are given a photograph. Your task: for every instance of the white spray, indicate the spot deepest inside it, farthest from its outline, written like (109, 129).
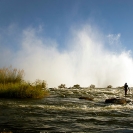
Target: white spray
(85, 61)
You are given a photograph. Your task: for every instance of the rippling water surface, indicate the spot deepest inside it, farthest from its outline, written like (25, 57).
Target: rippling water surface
(63, 111)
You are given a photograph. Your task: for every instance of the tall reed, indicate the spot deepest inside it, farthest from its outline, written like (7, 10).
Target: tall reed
(12, 85)
(10, 75)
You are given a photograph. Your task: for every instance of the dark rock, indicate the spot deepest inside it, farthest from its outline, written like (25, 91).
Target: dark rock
(87, 98)
(117, 100)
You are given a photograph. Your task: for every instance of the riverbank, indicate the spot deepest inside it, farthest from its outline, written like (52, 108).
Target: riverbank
(12, 85)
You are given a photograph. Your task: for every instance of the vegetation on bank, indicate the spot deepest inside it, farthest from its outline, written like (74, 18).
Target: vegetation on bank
(12, 85)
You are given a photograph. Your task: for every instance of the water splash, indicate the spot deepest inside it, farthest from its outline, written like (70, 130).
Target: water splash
(85, 60)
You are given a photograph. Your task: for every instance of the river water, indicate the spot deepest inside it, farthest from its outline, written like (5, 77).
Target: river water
(63, 111)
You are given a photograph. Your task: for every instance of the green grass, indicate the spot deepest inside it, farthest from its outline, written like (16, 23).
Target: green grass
(10, 75)
(12, 85)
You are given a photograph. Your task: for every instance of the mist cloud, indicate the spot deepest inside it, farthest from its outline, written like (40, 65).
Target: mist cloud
(86, 59)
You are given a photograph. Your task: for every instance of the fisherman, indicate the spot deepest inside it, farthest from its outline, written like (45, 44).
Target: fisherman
(126, 88)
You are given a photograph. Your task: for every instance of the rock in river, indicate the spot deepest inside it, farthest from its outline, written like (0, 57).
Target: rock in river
(87, 98)
(117, 100)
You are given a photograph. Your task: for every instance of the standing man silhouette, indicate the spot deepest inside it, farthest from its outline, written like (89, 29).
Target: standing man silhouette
(126, 88)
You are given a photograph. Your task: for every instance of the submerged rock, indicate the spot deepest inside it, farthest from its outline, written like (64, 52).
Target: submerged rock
(87, 98)
(117, 100)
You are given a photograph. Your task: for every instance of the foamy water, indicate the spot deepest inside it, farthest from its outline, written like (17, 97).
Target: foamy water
(63, 111)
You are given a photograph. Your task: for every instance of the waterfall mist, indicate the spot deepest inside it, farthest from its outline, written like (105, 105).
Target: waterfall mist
(89, 57)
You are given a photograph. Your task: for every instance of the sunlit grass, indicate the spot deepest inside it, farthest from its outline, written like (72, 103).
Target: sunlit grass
(10, 75)
(12, 85)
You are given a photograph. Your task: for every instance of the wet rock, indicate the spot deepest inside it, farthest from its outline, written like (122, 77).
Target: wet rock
(109, 86)
(87, 98)
(117, 100)
(92, 86)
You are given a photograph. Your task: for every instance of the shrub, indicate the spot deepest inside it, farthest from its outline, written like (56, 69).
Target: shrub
(109, 86)
(62, 86)
(16, 90)
(40, 83)
(12, 85)
(10, 75)
(76, 86)
(92, 86)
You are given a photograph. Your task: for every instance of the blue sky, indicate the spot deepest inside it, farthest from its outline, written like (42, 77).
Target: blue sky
(55, 25)
(58, 16)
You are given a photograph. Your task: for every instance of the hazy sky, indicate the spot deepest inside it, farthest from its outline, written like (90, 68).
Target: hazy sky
(69, 41)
